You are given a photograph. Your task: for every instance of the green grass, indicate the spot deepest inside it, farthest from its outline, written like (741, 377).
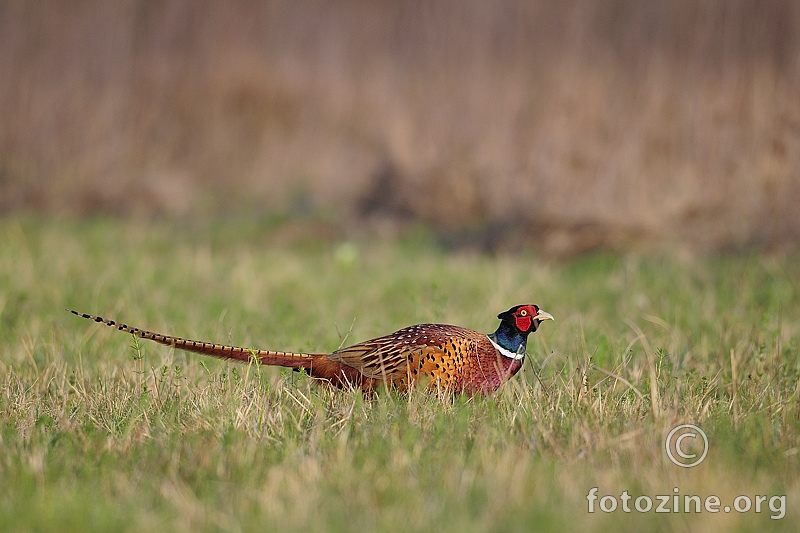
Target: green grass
(100, 434)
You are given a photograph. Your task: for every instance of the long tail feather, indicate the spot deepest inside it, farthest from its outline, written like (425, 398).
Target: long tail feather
(236, 353)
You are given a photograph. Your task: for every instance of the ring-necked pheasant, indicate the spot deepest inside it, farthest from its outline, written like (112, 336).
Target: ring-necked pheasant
(450, 358)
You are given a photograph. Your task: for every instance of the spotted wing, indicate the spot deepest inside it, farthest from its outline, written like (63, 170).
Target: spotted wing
(430, 348)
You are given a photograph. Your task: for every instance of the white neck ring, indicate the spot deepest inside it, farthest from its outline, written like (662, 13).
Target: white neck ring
(507, 353)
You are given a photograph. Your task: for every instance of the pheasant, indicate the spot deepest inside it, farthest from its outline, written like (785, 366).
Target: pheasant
(450, 358)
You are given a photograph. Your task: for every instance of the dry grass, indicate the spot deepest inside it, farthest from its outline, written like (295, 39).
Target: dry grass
(101, 435)
(571, 125)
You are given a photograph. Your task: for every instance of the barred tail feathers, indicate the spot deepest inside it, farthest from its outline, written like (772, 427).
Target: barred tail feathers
(221, 351)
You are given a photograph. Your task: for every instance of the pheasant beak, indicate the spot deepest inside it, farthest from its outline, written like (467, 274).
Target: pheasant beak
(543, 315)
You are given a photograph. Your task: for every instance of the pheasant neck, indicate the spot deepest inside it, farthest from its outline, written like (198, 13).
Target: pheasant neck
(509, 341)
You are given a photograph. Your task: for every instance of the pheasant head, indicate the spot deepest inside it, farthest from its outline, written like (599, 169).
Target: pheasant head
(515, 326)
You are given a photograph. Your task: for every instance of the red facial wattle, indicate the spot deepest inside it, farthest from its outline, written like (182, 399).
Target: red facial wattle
(524, 322)
(524, 317)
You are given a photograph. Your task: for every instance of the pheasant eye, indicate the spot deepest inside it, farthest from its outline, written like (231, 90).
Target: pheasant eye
(524, 312)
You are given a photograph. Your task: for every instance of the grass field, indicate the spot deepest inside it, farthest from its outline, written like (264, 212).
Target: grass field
(98, 433)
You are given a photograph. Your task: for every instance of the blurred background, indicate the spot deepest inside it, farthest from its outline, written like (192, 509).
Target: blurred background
(562, 125)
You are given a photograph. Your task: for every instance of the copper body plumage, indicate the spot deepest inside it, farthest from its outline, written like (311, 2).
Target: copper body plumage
(444, 358)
